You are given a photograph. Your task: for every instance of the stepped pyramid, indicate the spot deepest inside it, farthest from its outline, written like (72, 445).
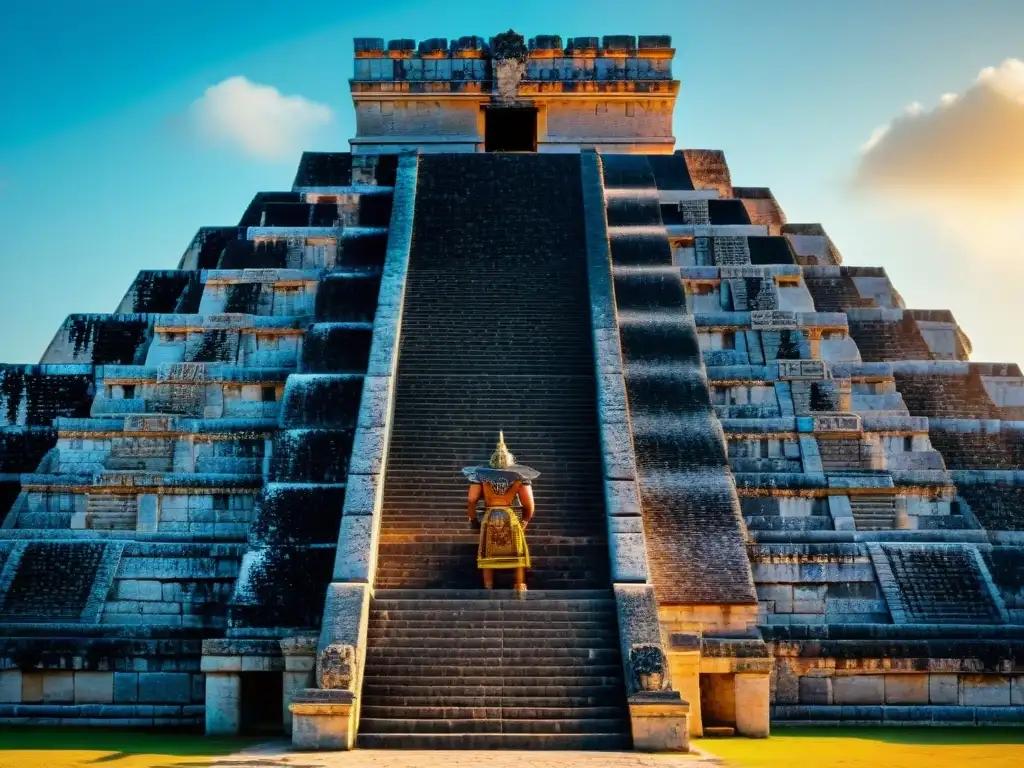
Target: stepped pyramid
(236, 502)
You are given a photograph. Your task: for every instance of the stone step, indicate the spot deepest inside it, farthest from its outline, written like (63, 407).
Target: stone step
(535, 579)
(490, 711)
(111, 512)
(520, 694)
(459, 530)
(546, 681)
(460, 567)
(554, 662)
(591, 622)
(531, 741)
(502, 726)
(539, 546)
(384, 637)
(476, 602)
(504, 596)
(563, 671)
(538, 577)
(537, 655)
(446, 620)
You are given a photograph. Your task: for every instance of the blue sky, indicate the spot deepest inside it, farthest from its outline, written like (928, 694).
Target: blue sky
(99, 176)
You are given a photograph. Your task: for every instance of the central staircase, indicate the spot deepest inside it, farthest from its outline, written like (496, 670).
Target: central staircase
(496, 335)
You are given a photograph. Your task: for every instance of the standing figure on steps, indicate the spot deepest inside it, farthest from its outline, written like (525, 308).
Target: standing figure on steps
(505, 489)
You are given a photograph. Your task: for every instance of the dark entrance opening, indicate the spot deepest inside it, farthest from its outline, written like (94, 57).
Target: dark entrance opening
(510, 129)
(262, 695)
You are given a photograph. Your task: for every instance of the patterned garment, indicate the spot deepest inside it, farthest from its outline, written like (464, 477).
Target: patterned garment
(502, 540)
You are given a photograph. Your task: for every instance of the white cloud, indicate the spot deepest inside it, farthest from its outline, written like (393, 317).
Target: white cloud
(961, 163)
(258, 118)
(968, 148)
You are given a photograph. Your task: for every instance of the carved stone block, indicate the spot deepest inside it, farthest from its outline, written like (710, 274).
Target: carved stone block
(802, 369)
(837, 422)
(772, 320)
(335, 667)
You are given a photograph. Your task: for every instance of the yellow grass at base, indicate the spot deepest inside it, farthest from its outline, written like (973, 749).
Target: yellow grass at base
(74, 748)
(874, 748)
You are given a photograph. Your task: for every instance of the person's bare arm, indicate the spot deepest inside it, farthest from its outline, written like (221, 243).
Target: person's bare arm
(475, 493)
(526, 499)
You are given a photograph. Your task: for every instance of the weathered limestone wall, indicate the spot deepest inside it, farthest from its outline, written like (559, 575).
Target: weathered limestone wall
(817, 583)
(617, 125)
(893, 691)
(108, 698)
(425, 124)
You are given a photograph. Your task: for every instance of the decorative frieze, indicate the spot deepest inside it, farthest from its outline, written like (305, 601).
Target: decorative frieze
(773, 320)
(836, 422)
(790, 370)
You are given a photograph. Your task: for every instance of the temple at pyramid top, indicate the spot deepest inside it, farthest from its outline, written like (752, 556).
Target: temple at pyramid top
(613, 94)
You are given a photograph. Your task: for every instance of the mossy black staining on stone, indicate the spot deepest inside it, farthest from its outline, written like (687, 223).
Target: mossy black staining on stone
(770, 250)
(336, 348)
(9, 491)
(156, 292)
(212, 241)
(788, 346)
(247, 254)
(286, 215)
(216, 346)
(253, 216)
(33, 397)
(108, 339)
(362, 250)
(243, 298)
(311, 455)
(375, 209)
(997, 507)
(188, 302)
(22, 449)
(823, 396)
(53, 581)
(348, 298)
(286, 589)
(680, 450)
(324, 169)
(322, 401)
(298, 514)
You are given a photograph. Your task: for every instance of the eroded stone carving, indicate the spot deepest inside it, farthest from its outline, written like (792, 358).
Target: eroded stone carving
(335, 667)
(647, 663)
(772, 320)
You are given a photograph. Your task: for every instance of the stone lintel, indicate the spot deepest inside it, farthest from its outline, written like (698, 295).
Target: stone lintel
(227, 655)
(298, 646)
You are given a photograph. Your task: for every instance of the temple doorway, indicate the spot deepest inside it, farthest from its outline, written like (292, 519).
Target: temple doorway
(510, 129)
(718, 701)
(262, 703)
